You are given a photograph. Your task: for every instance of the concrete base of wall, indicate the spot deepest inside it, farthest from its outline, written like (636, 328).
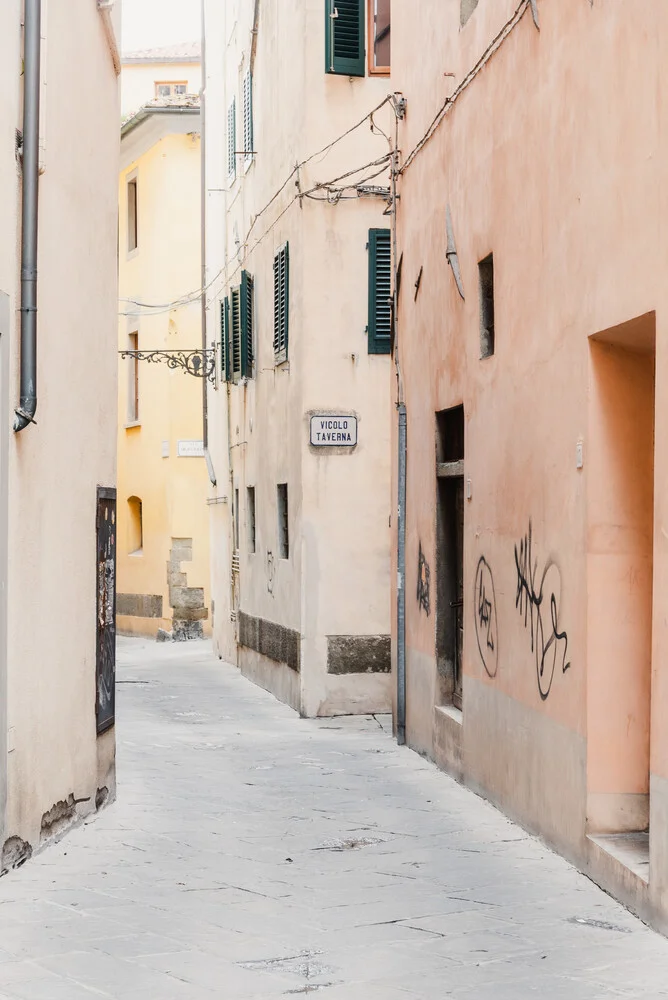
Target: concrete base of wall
(535, 771)
(352, 694)
(129, 625)
(277, 678)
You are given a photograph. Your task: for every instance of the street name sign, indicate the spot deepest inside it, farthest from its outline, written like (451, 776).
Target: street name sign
(333, 430)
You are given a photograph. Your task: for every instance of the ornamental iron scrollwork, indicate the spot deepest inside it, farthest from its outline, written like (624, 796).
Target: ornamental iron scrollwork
(200, 363)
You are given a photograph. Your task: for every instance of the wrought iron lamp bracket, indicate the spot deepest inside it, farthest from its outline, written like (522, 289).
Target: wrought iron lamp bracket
(200, 363)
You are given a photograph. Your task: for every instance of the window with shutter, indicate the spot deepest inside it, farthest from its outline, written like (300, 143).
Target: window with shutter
(380, 291)
(248, 117)
(235, 310)
(225, 368)
(232, 140)
(246, 325)
(281, 303)
(344, 37)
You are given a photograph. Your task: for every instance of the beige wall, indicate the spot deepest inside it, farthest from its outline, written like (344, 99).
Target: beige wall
(54, 466)
(138, 81)
(163, 155)
(336, 580)
(568, 194)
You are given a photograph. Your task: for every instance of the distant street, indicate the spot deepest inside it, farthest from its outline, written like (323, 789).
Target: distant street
(255, 854)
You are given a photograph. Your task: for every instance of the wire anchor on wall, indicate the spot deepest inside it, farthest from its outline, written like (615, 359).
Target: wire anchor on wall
(200, 363)
(451, 253)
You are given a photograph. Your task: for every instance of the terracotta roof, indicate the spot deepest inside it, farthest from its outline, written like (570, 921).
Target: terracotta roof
(186, 102)
(184, 52)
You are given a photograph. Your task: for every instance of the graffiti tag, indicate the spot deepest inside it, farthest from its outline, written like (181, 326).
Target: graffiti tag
(538, 599)
(486, 625)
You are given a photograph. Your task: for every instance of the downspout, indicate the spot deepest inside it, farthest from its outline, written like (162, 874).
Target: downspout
(399, 110)
(401, 581)
(27, 407)
(202, 149)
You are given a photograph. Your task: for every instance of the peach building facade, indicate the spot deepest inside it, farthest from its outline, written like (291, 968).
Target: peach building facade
(58, 469)
(531, 351)
(163, 536)
(299, 429)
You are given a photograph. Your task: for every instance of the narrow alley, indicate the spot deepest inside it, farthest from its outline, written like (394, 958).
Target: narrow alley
(252, 853)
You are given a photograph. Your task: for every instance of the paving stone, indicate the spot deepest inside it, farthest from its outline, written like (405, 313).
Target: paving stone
(255, 854)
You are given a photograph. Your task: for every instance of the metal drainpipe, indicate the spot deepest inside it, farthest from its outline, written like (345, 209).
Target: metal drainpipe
(401, 582)
(25, 411)
(202, 150)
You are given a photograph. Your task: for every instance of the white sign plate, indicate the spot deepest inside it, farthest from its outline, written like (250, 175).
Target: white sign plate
(190, 449)
(333, 430)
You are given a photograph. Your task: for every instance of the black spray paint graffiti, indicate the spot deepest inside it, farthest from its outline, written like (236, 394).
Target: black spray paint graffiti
(486, 627)
(424, 582)
(538, 600)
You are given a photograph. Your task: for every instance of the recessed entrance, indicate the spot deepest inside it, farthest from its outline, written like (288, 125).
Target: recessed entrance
(620, 490)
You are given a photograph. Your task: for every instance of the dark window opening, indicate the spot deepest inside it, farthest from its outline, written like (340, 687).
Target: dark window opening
(237, 518)
(450, 435)
(250, 495)
(450, 554)
(486, 273)
(283, 527)
(133, 379)
(132, 215)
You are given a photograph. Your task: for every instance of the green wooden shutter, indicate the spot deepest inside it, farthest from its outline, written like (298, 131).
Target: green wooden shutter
(225, 344)
(235, 309)
(344, 37)
(281, 303)
(232, 140)
(246, 325)
(380, 291)
(248, 116)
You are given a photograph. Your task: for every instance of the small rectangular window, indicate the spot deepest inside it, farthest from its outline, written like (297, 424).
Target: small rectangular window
(133, 379)
(237, 518)
(132, 214)
(170, 88)
(250, 496)
(380, 291)
(345, 37)
(248, 117)
(281, 303)
(486, 273)
(232, 140)
(379, 29)
(283, 527)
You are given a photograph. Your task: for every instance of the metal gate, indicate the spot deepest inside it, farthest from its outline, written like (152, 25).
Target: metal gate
(105, 667)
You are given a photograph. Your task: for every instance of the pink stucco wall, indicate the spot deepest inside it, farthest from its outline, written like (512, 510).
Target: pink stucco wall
(553, 159)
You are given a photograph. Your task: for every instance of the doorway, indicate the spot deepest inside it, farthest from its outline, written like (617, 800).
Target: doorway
(450, 555)
(620, 533)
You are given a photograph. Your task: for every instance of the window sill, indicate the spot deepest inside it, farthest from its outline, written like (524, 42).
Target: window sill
(136, 553)
(132, 423)
(451, 712)
(132, 253)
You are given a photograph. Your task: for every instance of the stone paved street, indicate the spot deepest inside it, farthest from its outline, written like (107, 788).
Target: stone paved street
(255, 854)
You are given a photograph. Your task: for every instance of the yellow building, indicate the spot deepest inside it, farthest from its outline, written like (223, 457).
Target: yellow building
(163, 551)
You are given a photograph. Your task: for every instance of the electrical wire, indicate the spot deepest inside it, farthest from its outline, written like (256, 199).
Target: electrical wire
(495, 44)
(195, 295)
